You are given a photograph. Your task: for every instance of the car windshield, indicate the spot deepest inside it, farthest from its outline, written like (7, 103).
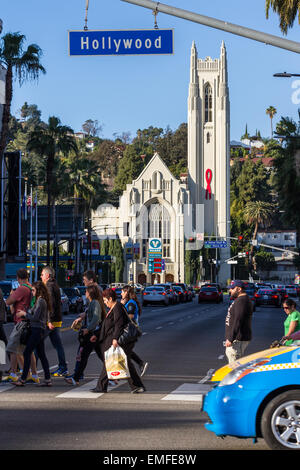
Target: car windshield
(6, 288)
(81, 290)
(149, 289)
(208, 289)
(264, 291)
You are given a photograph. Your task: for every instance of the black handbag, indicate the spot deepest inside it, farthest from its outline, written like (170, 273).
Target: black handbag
(25, 331)
(130, 334)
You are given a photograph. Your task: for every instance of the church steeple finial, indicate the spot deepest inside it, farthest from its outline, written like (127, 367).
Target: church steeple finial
(193, 67)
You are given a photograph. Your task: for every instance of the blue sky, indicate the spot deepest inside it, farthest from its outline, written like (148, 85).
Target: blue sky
(125, 93)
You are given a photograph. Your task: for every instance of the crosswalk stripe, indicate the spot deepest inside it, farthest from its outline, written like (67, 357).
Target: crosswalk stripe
(5, 387)
(188, 392)
(81, 392)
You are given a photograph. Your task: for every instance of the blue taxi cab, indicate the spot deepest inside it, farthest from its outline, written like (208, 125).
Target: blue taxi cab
(258, 396)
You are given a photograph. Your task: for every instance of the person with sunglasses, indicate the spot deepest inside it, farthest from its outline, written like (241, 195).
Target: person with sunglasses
(292, 322)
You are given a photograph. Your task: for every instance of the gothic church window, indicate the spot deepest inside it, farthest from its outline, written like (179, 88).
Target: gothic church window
(208, 103)
(157, 181)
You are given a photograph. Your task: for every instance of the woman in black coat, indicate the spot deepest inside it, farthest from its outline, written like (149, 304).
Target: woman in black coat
(111, 329)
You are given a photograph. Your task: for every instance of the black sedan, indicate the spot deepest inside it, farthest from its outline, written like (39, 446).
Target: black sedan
(268, 297)
(75, 299)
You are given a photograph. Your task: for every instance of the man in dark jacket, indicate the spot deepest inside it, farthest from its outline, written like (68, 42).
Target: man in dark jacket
(238, 331)
(55, 319)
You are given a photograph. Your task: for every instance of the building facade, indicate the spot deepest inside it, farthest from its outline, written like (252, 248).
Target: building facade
(158, 205)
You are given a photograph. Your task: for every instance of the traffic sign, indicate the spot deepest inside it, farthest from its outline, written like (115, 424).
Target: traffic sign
(154, 247)
(234, 261)
(121, 42)
(215, 244)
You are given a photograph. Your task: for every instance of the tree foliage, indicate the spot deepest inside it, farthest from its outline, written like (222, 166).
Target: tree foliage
(287, 10)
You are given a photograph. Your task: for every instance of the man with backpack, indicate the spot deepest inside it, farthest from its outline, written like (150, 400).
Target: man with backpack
(19, 300)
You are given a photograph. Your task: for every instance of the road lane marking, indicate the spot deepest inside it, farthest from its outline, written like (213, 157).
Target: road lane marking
(81, 392)
(188, 392)
(4, 387)
(84, 391)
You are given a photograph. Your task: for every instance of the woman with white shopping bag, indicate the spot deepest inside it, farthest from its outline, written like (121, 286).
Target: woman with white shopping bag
(112, 328)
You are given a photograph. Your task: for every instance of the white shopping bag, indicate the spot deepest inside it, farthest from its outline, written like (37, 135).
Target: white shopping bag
(116, 363)
(2, 353)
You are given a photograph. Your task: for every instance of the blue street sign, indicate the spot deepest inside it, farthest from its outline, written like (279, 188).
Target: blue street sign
(121, 42)
(215, 244)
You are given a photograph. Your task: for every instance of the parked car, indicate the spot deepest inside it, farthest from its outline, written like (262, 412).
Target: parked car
(114, 285)
(138, 288)
(181, 293)
(268, 297)
(7, 286)
(209, 294)
(291, 290)
(82, 290)
(75, 299)
(258, 396)
(154, 295)
(65, 303)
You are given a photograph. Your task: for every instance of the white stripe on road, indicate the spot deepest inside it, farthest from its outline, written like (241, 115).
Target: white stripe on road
(188, 392)
(5, 387)
(81, 392)
(84, 391)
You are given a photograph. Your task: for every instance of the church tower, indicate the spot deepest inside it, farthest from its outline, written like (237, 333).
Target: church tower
(209, 146)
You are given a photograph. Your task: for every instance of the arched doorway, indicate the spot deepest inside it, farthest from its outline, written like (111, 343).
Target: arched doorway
(169, 277)
(142, 278)
(155, 278)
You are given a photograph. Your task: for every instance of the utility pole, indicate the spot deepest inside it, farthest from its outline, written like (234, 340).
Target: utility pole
(259, 36)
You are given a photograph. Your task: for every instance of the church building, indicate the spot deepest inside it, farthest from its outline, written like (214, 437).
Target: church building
(159, 206)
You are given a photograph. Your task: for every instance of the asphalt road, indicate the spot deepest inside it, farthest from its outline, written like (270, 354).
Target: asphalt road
(181, 343)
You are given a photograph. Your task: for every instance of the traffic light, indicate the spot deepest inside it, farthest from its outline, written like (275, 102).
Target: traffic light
(70, 264)
(240, 239)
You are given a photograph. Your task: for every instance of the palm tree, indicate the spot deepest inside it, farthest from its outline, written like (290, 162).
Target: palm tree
(50, 142)
(287, 11)
(271, 111)
(258, 213)
(25, 64)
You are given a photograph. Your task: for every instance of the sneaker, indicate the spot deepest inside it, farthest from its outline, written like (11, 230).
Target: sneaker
(60, 372)
(71, 381)
(144, 367)
(72, 377)
(12, 378)
(138, 390)
(33, 379)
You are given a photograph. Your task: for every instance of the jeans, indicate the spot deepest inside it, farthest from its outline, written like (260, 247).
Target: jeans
(35, 342)
(55, 339)
(236, 351)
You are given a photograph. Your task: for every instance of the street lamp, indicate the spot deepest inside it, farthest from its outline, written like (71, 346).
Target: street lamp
(286, 75)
